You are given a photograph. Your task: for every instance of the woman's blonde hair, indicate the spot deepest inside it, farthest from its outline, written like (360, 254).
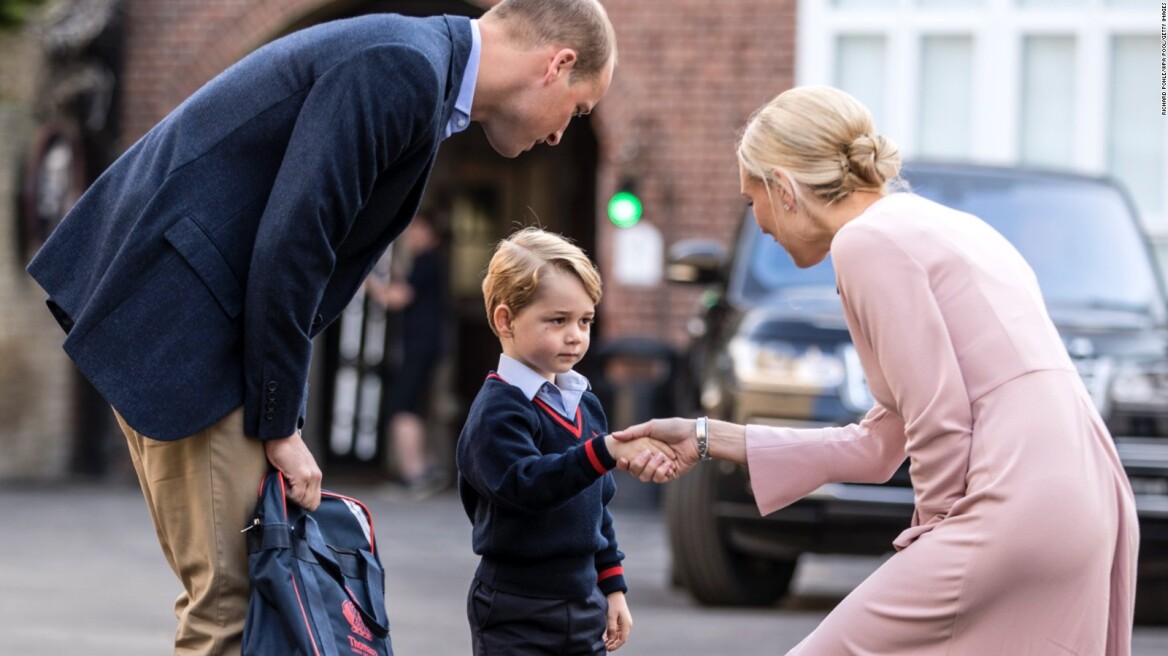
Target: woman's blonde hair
(824, 139)
(581, 25)
(521, 261)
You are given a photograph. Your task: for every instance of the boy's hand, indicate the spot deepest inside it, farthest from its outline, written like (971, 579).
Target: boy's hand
(661, 456)
(676, 432)
(620, 622)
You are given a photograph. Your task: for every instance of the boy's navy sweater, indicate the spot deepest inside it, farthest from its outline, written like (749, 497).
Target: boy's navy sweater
(536, 487)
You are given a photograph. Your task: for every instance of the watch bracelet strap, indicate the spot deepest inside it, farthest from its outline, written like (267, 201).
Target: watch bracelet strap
(702, 428)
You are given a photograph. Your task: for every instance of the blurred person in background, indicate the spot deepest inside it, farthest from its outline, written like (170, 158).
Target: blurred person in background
(417, 289)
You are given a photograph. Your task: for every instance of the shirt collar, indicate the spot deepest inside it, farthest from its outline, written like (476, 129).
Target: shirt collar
(530, 383)
(460, 119)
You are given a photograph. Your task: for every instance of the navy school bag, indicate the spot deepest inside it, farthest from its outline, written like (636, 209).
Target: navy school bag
(317, 587)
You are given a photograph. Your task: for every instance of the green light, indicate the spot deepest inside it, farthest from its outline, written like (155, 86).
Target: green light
(624, 209)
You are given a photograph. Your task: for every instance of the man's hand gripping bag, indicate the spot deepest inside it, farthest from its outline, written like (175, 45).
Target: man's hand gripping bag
(317, 587)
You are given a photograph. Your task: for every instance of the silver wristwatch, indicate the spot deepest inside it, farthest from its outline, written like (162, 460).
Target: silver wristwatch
(702, 427)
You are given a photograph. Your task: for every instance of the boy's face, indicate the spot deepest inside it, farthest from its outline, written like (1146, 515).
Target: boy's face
(552, 333)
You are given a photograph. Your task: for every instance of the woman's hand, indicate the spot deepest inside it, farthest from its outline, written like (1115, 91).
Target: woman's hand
(676, 432)
(649, 452)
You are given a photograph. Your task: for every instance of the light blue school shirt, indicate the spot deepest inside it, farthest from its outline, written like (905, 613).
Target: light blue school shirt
(563, 396)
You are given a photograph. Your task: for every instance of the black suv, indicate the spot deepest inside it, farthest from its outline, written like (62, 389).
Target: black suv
(771, 347)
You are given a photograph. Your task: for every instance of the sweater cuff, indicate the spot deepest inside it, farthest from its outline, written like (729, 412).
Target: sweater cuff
(611, 579)
(598, 456)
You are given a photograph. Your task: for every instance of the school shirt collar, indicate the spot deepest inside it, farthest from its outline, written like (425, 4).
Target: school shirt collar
(563, 396)
(460, 118)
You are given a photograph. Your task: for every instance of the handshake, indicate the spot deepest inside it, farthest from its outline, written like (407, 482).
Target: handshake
(659, 450)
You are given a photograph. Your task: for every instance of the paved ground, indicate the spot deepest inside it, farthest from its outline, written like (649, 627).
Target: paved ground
(81, 573)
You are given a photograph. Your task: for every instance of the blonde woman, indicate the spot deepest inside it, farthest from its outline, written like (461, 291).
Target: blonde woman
(1024, 536)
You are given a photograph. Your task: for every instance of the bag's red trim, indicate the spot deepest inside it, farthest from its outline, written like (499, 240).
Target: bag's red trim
(304, 614)
(283, 496)
(368, 516)
(324, 493)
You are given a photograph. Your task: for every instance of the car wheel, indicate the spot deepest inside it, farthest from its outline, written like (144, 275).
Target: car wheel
(703, 561)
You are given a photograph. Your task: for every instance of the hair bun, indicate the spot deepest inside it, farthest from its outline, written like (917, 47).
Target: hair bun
(823, 138)
(871, 160)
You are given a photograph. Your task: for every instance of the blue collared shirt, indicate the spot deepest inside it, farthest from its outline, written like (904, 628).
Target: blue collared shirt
(460, 119)
(563, 396)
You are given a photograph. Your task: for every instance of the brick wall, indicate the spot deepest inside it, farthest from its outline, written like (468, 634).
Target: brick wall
(173, 47)
(690, 73)
(36, 378)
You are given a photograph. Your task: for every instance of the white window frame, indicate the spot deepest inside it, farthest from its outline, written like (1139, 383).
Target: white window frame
(998, 29)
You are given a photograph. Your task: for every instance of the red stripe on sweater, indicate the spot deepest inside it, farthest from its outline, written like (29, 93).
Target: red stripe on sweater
(609, 573)
(591, 451)
(576, 430)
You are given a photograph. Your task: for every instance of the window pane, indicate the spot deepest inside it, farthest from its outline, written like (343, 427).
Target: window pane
(859, 70)
(1048, 91)
(1136, 129)
(1054, 3)
(950, 4)
(865, 4)
(945, 96)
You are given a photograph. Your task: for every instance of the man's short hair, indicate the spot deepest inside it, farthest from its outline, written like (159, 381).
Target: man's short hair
(581, 25)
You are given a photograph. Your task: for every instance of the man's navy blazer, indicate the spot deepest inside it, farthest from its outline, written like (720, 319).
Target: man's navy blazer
(192, 276)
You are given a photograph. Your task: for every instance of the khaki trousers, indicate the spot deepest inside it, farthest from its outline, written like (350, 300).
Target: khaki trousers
(201, 491)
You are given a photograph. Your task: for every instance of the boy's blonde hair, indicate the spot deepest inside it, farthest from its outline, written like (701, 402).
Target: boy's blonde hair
(520, 262)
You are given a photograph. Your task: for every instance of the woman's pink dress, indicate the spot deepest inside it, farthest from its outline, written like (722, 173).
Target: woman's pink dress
(1024, 537)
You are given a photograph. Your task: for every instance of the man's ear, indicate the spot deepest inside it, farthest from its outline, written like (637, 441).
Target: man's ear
(561, 63)
(501, 318)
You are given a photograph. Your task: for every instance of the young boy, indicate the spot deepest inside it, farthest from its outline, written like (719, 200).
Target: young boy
(535, 461)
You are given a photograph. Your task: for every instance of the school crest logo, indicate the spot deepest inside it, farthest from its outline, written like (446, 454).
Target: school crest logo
(356, 624)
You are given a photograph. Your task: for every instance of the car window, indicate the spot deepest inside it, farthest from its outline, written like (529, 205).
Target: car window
(771, 269)
(1079, 237)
